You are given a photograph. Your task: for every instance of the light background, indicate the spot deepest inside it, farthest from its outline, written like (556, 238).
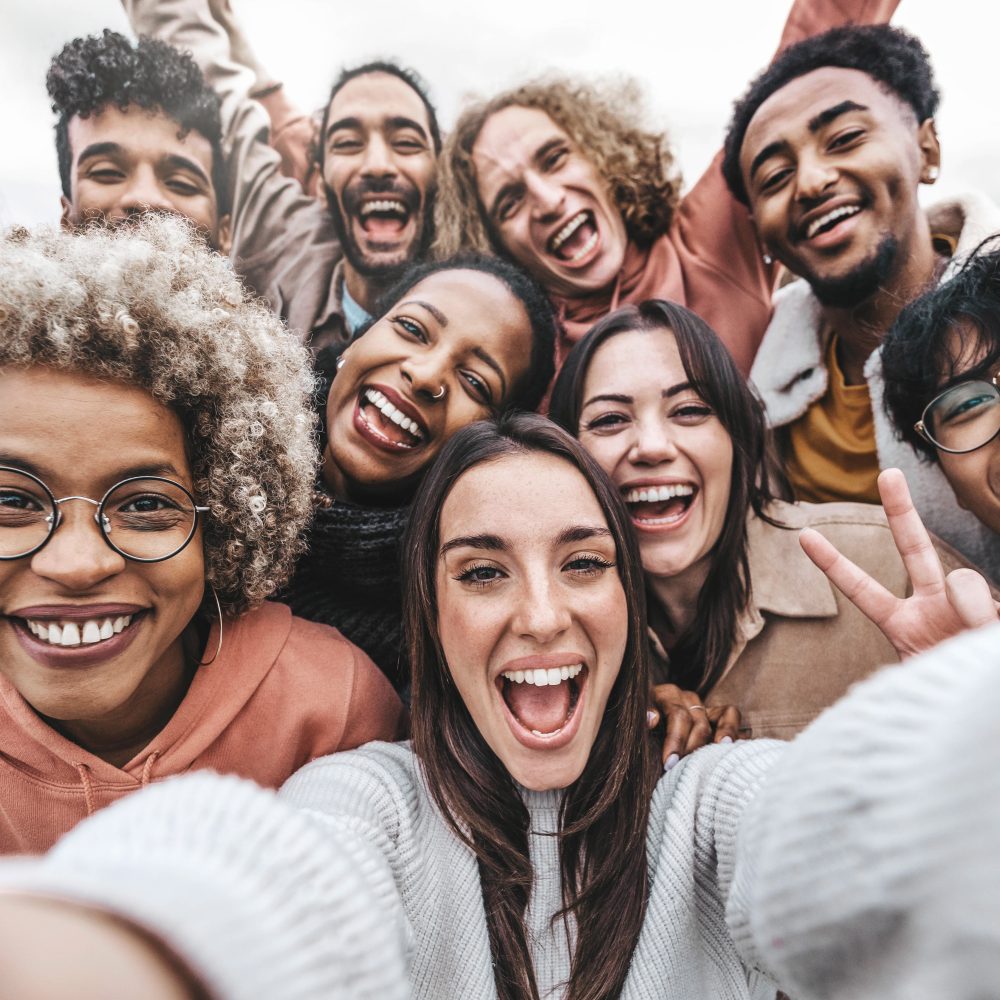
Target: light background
(693, 58)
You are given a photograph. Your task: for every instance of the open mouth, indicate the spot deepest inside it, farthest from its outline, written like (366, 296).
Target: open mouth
(576, 239)
(542, 702)
(383, 220)
(660, 506)
(829, 221)
(90, 632)
(386, 423)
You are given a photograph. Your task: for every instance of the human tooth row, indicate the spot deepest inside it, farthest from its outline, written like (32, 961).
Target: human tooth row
(71, 634)
(383, 206)
(541, 677)
(378, 400)
(825, 220)
(657, 494)
(568, 230)
(586, 248)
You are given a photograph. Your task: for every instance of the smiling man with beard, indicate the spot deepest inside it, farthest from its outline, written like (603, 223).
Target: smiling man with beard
(322, 262)
(828, 148)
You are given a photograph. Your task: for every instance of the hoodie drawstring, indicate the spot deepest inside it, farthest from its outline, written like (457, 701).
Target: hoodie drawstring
(88, 788)
(147, 768)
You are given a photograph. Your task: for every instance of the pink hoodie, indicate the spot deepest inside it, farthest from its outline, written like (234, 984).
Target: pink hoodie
(282, 692)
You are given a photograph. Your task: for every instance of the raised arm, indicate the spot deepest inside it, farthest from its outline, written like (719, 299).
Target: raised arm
(727, 282)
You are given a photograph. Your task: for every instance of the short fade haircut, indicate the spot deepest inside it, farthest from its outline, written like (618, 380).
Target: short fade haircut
(891, 56)
(409, 76)
(98, 71)
(919, 355)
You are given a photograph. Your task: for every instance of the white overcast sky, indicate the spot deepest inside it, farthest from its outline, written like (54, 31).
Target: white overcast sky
(692, 58)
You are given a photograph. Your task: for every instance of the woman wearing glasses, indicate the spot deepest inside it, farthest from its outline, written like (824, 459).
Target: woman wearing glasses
(940, 363)
(156, 469)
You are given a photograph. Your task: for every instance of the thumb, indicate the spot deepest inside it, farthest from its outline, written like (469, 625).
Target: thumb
(969, 594)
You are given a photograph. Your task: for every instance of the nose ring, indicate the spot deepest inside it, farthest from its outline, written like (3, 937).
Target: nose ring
(438, 395)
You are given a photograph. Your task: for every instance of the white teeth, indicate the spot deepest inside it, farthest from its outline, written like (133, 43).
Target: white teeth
(824, 220)
(568, 230)
(378, 400)
(657, 494)
(541, 677)
(586, 248)
(383, 206)
(76, 633)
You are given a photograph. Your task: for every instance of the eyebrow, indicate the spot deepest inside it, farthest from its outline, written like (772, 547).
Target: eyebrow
(394, 123)
(162, 469)
(179, 162)
(175, 160)
(616, 397)
(814, 125)
(539, 154)
(494, 543)
(433, 310)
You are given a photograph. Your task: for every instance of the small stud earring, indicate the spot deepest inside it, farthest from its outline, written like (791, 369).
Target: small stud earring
(932, 173)
(767, 258)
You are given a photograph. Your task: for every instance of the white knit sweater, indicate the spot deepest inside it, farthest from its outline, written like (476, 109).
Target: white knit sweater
(856, 862)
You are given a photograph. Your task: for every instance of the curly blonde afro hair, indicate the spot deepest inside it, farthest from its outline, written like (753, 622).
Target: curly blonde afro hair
(604, 121)
(148, 305)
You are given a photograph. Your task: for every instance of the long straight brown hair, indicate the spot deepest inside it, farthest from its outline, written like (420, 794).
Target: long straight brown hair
(702, 650)
(604, 813)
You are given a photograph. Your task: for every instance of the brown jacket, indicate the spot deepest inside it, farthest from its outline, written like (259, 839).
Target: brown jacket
(800, 644)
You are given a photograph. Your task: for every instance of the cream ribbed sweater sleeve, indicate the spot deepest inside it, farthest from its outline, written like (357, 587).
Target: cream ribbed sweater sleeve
(867, 866)
(260, 899)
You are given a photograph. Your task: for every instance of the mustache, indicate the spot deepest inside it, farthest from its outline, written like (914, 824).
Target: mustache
(354, 194)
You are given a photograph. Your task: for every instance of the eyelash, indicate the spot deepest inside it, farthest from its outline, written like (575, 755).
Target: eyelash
(697, 410)
(468, 575)
(595, 565)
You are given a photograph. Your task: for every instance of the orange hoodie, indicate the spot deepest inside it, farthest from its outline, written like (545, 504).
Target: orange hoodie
(281, 692)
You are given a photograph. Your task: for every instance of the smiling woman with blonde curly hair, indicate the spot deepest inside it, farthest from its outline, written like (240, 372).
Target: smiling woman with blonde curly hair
(157, 460)
(563, 178)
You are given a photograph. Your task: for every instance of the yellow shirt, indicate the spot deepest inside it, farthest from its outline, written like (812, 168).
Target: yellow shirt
(832, 452)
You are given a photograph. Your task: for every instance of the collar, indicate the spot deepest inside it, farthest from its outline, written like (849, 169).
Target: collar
(355, 316)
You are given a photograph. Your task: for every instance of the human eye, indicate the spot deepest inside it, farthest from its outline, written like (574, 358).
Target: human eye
(775, 180)
(105, 174)
(480, 575)
(345, 144)
(846, 138)
(588, 564)
(480, 387)
(408, 144)
(555, 158)
(607, 423)
(692, 411)
(410, 328)
(184, 186)
(508, 206)
(968, 407)
(147, 511)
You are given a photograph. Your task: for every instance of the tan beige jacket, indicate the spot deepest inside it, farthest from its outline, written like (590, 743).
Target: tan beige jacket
(800, 643)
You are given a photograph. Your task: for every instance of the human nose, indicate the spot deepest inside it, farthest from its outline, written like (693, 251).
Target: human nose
(543, 612)
(813, 176)
(144, 193)
(378, 161)
(76, 555)
(426, 375)
(547, 196)
(653, 442)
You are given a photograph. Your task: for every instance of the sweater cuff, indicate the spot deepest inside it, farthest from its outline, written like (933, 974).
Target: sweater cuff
(254, 898)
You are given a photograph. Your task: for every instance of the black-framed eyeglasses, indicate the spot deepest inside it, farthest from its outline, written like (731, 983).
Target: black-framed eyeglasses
(962, 418)
(144, 518)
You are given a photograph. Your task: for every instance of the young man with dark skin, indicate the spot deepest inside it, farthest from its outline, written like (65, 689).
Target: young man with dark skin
(828, 148)
(138, 130)
(322, 263)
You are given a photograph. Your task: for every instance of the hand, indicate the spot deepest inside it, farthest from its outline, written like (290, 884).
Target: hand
(939, 606)
(690, 724)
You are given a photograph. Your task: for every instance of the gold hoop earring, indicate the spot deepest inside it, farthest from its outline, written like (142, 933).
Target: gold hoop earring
(218, 648)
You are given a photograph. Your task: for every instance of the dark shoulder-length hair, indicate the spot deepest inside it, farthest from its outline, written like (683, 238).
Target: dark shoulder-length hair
(604, 813)
(701, 651)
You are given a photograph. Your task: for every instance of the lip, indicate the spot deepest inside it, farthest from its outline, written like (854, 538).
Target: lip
(562, 737)
(836, 234)
(659, 529)
(374, 436)
(77, 657)
(590, 256)
(75, 612)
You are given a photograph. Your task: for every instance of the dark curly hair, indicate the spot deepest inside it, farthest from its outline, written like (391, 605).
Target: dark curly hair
(919, 353)
(94, 72)
(410, 77)
(890, 56)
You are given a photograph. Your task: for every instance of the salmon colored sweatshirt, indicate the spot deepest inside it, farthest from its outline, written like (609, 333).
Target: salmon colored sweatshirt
(282, 692)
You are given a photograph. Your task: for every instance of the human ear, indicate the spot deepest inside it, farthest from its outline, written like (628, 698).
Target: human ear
(224, 235)
(65, 213)
(930, 151)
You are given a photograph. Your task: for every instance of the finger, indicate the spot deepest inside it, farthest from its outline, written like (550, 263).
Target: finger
(969, 594)
(727, 721)
(701, 731)
(652, 718)
(909, 534)
(679, 724)
(865, 593)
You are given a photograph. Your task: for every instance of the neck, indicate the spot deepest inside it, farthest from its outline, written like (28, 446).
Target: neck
(122, 733)
(365, 291)
(677, 597)
(860, 328)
